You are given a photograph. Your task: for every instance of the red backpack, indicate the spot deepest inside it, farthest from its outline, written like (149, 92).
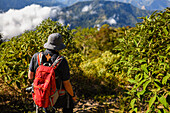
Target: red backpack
(45, 92)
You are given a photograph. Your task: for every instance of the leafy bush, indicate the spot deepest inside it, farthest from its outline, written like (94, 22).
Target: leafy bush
(103, 66)
(145, 52)
(92, 42)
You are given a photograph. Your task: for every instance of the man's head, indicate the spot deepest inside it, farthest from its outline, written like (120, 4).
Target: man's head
(54, 42)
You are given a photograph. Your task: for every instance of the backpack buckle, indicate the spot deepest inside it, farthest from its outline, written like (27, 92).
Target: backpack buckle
(47, 64)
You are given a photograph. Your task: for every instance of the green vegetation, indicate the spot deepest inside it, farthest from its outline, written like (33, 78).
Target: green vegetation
(130, 64)
(145, 52)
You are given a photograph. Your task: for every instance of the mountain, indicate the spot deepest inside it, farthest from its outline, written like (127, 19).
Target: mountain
(142, 4)
(158, 5)
(5, 5)
(71, 2)
(90, 14)
(148, 4)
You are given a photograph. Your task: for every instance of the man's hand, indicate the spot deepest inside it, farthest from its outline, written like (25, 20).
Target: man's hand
(74, 98)
(69, 89)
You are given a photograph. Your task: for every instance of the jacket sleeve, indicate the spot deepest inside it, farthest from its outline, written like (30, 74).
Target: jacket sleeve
(33, 63)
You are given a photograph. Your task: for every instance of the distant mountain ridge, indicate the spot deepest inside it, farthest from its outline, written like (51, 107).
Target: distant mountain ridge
(142, 4)
(5, 5)
(91, 14)
(148, 4)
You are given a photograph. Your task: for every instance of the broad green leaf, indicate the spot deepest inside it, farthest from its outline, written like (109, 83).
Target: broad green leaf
(152, 100)
(165, 31)
(8, 77)
(157, 80)
(136, 43)
(132, 81)
(132, 103)
(122, 61)
(5, 79)
(162, 99)
(146, 84)
(146, 75)
(160, 74)
(138, 77)
(140, 93)
(141, 61)
(141, 82)
(129, 70)
(159, 111)
(165, 111)
(158, 84)
(144, 67)
(164, 80)
(136, 69)
(168, 93)
(11, 51)
(22, 73)
(136, 109)
(168, 48)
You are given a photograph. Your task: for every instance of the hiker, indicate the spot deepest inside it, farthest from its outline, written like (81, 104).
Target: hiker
(53, 46)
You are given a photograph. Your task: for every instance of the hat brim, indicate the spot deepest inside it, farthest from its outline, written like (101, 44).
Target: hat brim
(54, 47)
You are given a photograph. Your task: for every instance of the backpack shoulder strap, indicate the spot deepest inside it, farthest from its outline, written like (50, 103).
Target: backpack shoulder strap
(57, 62)
(39, 58)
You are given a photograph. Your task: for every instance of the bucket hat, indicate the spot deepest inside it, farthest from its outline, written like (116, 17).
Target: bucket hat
(54, 42)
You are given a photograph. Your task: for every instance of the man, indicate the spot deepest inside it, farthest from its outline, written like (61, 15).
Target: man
(53, 46)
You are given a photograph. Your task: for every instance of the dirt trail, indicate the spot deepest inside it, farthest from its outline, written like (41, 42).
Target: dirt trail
(82, 106)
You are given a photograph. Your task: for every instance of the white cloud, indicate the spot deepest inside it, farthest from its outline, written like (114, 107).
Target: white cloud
(15, 22)
(111, 21)
(68, 14)
(87, 8)
(55, 11)
(98, 26)
(93, 12)
(61, 21)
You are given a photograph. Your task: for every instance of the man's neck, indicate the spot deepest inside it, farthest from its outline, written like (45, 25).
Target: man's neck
(53, 51)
